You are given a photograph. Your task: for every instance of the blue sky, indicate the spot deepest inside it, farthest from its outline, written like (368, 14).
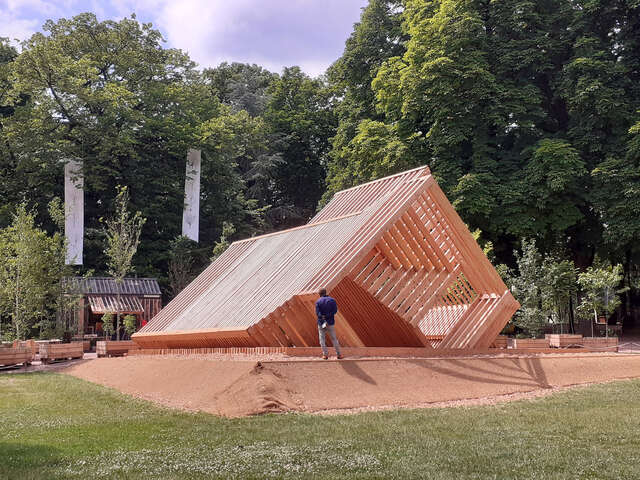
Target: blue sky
(271, 33)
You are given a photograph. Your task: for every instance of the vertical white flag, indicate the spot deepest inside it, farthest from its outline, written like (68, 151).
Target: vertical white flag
(191, 213)
(74, 211)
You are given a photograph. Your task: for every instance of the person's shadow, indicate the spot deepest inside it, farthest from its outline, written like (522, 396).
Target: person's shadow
(353, 369)
(523, 371)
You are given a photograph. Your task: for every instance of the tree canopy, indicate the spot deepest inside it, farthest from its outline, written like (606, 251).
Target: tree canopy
(528, 114)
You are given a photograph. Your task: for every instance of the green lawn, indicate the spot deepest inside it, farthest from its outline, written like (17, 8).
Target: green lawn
(55, 426)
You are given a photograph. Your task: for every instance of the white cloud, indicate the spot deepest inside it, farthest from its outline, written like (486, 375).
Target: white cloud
(15, 28)
(271, 33)
(274, 33)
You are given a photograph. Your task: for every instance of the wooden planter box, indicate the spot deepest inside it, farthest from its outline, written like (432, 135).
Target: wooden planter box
(15, 355)
(29, 344)
(60, 351)
(114, 348)
(86, 344)
(535, 343)
(564, 340)
(605, 344)
(499, 342)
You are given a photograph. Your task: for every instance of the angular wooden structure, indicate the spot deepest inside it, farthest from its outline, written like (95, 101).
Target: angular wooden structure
(400, 262)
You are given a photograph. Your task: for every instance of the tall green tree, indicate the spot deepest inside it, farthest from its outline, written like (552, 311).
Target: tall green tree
(240, 85)
(377, 37)
(32, 265)
(111, 95)
(524, 111)
(300, 118)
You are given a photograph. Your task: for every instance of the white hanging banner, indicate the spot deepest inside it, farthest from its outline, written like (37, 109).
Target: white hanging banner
(191, 213)
(74, 211)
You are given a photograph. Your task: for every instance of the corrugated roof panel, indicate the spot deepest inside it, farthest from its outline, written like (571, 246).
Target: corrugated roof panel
(101, 304)
(107, 285)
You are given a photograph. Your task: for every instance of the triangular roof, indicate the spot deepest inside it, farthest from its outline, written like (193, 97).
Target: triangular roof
(401, 264)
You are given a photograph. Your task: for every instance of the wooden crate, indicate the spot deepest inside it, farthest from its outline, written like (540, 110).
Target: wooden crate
(60, 351)
(15, 356)
(112, 348)
(606, 344)
(564, 340)
(500, 342)
(535, 343)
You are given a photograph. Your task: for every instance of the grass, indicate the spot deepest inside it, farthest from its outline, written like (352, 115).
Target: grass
(54, 426)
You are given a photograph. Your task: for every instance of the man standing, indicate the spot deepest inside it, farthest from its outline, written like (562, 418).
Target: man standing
(326, 308)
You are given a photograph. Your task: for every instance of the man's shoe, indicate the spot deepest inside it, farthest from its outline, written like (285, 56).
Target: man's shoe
(339, 357)
(324, 357)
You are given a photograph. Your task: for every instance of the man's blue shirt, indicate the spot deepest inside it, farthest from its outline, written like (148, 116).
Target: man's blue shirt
(326, 308)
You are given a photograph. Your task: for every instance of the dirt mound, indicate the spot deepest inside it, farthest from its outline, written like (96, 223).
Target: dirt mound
(238, 388)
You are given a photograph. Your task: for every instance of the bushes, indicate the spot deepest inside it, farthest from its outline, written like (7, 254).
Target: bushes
(552, 291)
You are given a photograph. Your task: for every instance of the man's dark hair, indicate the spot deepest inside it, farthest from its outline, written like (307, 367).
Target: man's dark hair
(322, 292)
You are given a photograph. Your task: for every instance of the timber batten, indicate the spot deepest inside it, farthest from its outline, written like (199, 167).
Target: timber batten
(404, 268)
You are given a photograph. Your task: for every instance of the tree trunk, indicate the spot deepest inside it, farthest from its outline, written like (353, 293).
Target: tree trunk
(118, 311)
(572, 328)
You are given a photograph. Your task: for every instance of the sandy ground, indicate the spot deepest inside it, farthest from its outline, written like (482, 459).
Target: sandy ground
(239, 387)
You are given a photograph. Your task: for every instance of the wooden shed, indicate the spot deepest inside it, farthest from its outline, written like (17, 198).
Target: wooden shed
(140, 297)
(403, 267)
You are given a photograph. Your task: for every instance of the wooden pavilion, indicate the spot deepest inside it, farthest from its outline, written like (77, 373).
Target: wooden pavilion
(140, 297)
(398, 259)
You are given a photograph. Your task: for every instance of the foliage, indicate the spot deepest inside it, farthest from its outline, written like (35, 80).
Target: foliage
(227, 231)
(186, 259)
(129, 324)
(300, 119)
(377, 37)
(545, 288)
(32, 265)
(600, 284)
(109, 94)
(559, 288)
(241, 86)
(526, 112)
(526, 288)
(107, 324)
(123, 237)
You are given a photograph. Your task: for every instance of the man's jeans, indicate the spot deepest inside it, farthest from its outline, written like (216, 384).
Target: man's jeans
(322, 332)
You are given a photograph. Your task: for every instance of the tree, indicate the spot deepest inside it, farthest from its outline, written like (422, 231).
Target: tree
(600, 284)
(123, 237)
(545, 287)
(107, 324)
(299, 116)
(110, 95)
(376, 38)
(241, 86)
(129, 324)
(186, 260)
(227, 231)
(559, 289)
(521, 109)
(32, 265)
(526, 288)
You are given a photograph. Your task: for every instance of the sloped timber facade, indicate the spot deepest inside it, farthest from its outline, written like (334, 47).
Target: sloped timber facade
(398, 259)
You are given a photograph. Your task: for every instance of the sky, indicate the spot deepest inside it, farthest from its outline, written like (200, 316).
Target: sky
(271, 33)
